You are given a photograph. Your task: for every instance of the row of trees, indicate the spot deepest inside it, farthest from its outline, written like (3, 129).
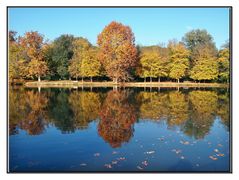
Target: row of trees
(117, 57)
(117, 111)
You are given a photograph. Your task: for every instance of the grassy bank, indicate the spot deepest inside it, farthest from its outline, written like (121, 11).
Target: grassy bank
(127, 84)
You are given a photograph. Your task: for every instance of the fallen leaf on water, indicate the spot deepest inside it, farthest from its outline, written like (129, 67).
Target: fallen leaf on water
(140, 168)
(216, 150)
(83, 164)
(145, 163)
(150, 152)
(121, 158)
(97, 154)
(184, 142)
(220, 145)
(220, 155)
(108, 166)
(177, 151)
(114, 162)
(213, 158)
(114, 152)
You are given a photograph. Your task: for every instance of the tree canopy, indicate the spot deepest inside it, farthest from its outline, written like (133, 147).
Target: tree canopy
(117, 51)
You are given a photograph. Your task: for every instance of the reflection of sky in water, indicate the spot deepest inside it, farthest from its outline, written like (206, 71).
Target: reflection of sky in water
(153, 145)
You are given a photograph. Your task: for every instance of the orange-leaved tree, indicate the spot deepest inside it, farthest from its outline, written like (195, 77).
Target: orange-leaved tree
(117, 51)
(33, 46)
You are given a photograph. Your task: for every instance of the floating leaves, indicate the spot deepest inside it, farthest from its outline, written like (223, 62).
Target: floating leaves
(216, 150)
(145, 163)
(114, 162)
(97, 154)
(108, 166)
(121, 158)
(177, 151)
(220, 155)
(114, 152)
(184, 142)
(213, 158)
(150, 152)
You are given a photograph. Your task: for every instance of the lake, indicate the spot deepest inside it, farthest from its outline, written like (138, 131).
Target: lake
(119, 130)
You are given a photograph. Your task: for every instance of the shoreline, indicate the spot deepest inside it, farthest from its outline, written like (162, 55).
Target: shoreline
(73, 84)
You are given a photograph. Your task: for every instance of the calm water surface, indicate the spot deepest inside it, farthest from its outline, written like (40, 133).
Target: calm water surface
(133, 129)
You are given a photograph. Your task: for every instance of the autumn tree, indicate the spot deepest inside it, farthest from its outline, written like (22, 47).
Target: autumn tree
(152, 64)
(90, 66)
(14, 56)
(179, 60)
(79, 45)
(117, 51)
(224, 63)
(33, 45)
(203, 52)
(205, 65)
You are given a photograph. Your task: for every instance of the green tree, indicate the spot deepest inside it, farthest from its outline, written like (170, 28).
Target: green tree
(198, 37)
(61, 55)
(179, 60)
(117, 51)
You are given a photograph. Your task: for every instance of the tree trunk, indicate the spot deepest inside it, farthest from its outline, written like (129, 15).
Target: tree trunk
(158, 89)
(82, 80)
(91, 79)
(178, 80)
(144, 80)
(150, 79)
(39, 78)
(158, 79)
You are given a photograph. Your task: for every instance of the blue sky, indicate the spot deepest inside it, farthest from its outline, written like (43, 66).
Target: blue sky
(150, 25)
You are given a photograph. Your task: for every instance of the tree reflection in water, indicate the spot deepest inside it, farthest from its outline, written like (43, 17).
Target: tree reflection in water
(117, 117)
(85, 106)
(194, 111)
(28, 111)
(202, 113)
